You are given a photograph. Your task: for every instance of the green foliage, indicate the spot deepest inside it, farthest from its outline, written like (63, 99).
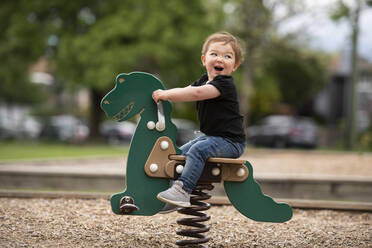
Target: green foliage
(340, 11)
(153, 36)
(90, 42)
(265, 96)
(163, 38)
(365, 140)
(298, 72)
(20, 90)
(20, 45)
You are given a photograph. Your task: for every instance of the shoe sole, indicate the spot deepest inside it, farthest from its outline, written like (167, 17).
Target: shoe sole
(169, 210)
(177, 203)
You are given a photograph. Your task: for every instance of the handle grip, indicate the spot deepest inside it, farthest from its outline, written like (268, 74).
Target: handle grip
(160, 125)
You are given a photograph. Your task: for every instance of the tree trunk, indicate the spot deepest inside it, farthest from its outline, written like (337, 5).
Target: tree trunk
(352, 102)
(256, 20)
(96, 114)
(247, 88)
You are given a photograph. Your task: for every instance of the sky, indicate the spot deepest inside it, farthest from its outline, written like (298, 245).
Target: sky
(328, 35)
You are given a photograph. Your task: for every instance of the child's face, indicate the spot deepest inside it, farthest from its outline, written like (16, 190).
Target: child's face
(219, 60)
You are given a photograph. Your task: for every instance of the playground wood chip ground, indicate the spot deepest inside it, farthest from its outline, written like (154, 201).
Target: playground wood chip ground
(90, 223)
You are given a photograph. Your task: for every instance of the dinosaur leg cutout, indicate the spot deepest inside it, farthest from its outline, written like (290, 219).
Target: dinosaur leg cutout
(144, 197)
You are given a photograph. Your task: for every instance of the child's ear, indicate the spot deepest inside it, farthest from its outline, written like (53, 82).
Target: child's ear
(203, 59)
(236, 66)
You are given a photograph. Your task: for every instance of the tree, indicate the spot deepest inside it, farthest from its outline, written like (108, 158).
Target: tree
(351, 13)
(275, 70)
(250, 20)
(299, 73)
(160, 37)
(90, 42)
(254, 23)
(16, 53)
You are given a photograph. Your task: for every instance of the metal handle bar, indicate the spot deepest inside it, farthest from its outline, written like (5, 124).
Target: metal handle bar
(160, 125)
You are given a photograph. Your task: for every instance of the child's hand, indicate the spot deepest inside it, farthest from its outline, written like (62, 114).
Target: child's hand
(158, 95)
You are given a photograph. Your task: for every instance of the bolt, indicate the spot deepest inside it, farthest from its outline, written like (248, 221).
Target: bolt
(154, 168)
(240, 172)
(150, 125)
(216, 171)
(179, 168)
(164, 145)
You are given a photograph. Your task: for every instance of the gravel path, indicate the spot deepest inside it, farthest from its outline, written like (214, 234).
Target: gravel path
(90, 223)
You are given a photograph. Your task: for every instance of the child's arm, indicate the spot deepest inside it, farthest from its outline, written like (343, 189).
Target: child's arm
(187, 94)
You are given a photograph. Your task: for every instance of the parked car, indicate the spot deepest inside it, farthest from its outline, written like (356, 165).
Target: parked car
(17, 123)
(187, 130)
(6, 132)
(284, 131)
(117, 132)
(30, 128)
(66, 128)
(122, 132)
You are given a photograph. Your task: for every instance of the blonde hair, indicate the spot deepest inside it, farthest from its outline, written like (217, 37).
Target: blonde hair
(227, 38)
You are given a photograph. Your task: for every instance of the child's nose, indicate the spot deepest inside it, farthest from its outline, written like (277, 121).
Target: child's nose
(219, 58)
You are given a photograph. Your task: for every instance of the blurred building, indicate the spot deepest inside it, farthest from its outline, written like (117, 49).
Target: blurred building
(332, 102)
(40, 72)
(58, 96)
(16, 120)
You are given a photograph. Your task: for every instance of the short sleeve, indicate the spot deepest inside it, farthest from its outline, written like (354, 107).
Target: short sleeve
(200, 81)
(196, 83)
(225, 87)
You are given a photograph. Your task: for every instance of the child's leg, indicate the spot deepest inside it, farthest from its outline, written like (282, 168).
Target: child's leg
(200, 151)
(186, 147)
(196, 155)
(169, 207)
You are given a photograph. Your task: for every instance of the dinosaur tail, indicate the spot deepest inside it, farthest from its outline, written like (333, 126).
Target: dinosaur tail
(248, 199)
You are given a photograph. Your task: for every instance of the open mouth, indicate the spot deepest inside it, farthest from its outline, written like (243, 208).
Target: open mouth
(218, 68)
(124, 112)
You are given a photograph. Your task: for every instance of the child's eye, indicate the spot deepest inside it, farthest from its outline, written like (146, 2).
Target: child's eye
(214, 54)
(228, 56)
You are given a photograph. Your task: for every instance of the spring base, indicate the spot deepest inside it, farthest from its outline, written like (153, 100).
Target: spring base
(197, 232)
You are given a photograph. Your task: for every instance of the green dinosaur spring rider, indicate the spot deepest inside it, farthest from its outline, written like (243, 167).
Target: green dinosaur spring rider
(154, 160)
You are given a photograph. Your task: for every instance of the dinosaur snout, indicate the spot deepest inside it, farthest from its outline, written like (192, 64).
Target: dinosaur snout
(104, 105)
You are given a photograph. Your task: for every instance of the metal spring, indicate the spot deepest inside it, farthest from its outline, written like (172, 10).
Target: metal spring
(200, 228)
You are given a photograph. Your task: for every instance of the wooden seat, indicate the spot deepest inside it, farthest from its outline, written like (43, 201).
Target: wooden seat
(163, 162)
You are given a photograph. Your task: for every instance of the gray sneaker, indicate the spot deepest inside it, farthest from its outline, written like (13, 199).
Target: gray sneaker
(168, 208)
(175, 195)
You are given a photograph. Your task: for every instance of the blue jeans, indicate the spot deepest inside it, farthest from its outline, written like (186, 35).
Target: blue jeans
(197, 152)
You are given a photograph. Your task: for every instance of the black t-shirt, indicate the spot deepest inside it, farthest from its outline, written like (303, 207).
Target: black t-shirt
(220, 116)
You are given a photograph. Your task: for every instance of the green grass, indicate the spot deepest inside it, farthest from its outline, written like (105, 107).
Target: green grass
(13, 151)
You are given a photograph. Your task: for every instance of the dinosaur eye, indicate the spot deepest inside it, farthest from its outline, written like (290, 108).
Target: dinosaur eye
(121, 80)
(106, 102)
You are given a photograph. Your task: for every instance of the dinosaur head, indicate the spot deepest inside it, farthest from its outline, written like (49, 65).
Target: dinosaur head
(131, 94)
